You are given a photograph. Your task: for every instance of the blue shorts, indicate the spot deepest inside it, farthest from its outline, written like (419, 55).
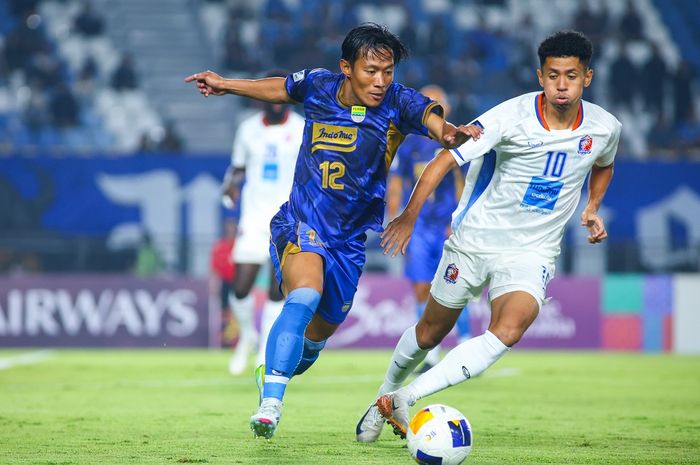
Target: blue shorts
(423, 253)
(342, 266)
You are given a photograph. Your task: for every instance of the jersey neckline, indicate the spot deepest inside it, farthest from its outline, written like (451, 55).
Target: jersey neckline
(539, 112)
(340, 91)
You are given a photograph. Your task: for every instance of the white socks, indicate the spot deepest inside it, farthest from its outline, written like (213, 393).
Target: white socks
(407, 356)
(243, 311)
(433, 356)
(466, 360)
(271, 310)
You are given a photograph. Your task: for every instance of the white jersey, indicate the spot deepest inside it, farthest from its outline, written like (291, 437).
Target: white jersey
(268, 153)
(525, 180)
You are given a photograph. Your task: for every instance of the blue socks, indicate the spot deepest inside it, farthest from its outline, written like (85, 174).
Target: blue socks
(286, 341)
(311, 352)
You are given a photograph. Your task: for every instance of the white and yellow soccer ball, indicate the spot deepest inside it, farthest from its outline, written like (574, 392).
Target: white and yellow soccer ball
(439, 434)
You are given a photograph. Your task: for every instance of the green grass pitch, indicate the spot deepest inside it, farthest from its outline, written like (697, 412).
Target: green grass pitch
(181, 406)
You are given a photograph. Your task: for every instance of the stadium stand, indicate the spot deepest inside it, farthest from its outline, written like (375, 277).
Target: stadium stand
(481, 51)
(487, 47)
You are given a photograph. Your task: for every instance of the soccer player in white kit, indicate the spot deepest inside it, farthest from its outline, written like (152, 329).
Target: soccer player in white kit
(524, 183)
(264, 153)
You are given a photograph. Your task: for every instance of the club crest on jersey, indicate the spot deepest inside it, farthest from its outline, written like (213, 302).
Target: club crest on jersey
(585, 145)
(358, 113)
(451, 273)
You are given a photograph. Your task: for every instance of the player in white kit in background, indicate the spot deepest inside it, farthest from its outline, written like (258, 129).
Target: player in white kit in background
(523, 184)
(264, 154)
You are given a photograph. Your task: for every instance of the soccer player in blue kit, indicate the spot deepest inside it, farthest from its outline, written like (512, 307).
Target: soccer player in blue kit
(355, 121)
(433, 224)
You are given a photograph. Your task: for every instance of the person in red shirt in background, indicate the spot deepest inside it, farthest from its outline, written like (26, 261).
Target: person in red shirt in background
(223, 271)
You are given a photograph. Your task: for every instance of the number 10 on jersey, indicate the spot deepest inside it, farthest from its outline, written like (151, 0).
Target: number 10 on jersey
(330, 173)
(555, 164)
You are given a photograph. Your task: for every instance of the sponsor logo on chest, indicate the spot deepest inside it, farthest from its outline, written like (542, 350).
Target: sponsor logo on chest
(331, 137)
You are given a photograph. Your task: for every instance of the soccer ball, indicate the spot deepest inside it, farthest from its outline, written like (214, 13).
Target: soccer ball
(439, 434)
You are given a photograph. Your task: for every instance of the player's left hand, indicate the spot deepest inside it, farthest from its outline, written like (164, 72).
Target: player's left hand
(453, 136)
(397, 234)
(595, 225)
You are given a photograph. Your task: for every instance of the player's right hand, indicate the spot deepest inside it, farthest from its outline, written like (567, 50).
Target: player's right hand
(397, 234)
(208, 83)
(595, 225)
(456, 136)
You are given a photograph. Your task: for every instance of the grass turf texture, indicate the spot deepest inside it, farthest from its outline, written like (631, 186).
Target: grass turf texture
(172, 407)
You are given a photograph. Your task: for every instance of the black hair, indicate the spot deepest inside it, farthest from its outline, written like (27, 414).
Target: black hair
(371, 37)
(566, 44)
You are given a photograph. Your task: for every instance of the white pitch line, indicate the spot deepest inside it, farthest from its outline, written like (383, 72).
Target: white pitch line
(25, 359)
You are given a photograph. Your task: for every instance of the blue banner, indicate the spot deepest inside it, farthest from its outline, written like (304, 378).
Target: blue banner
(175, 199)
(651, 207)
(652, 213)
(81, 196)
(643, 188)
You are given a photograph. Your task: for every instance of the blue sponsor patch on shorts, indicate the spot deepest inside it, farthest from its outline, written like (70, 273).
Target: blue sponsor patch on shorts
(542, 194)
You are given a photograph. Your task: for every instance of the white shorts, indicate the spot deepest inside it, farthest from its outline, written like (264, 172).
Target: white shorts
(461, 277)
(252, 244)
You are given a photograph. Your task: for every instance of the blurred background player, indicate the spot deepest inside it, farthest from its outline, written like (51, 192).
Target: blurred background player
(223, 270)
(264, 153)
(356, 120)
(433, 224)
(523, 186)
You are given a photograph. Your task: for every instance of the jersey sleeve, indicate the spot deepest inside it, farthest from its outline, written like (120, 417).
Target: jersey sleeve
(300, 83)
(607, 157)
(414, 109)
(492, 122)
(238, 152)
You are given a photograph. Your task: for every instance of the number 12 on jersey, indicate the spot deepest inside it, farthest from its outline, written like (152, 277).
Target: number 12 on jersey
(330, 173)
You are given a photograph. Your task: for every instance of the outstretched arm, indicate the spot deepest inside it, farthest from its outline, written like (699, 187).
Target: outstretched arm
(270, 90)
(449, 135)
(597, 186)
(398, 232)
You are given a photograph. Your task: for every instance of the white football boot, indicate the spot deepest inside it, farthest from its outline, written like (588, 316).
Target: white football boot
(265, 421)
(394, 407)
(370, 425)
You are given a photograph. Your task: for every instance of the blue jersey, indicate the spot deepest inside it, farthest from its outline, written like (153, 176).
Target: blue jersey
(342, 166)
(413, 156)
